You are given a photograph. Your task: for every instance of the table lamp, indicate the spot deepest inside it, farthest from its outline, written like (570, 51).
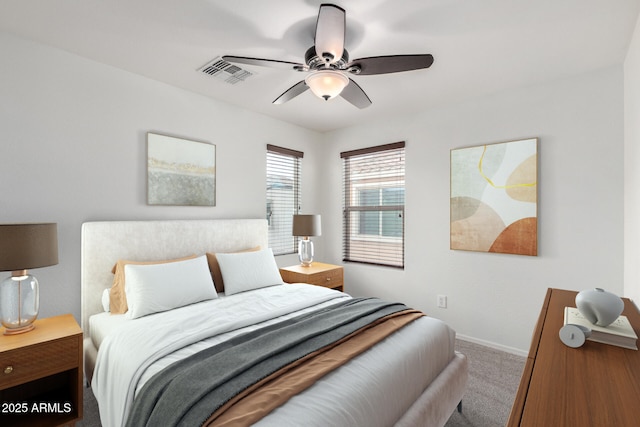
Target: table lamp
(306, 226)
(22, 247)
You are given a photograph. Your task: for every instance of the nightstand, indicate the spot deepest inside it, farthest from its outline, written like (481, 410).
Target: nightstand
(41, 374)
(319, 274)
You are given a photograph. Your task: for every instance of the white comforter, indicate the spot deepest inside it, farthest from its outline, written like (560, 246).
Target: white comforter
(400, 368)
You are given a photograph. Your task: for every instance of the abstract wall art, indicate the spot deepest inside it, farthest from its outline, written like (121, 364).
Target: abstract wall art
(180, 171)
(494, 193)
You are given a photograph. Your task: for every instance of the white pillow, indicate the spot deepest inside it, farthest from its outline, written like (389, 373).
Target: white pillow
(248, 270)
(105, 300)
(161, 287)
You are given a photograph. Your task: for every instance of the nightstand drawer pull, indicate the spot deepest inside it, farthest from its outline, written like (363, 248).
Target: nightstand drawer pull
(8, 369)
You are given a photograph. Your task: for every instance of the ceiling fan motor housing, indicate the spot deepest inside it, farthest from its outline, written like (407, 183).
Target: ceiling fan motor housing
(315, 62)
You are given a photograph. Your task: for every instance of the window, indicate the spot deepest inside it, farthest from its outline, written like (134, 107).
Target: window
(283, 197)
(374, 205)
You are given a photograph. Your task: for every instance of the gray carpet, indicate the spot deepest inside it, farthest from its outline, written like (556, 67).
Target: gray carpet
(493, 380)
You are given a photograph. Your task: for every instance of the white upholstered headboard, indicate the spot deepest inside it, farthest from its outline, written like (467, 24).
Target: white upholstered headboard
(104, 243)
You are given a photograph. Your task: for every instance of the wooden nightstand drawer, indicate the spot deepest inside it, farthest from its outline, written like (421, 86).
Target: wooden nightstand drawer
(329, 279)
(38, 360)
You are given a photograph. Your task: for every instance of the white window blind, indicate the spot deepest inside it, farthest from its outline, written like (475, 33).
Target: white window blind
(374, 205)
(283, 197)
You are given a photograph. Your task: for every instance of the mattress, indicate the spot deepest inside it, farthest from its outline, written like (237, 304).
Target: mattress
(102, 324)
(378, 385)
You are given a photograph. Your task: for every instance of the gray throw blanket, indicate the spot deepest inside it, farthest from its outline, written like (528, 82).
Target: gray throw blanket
(187, 392)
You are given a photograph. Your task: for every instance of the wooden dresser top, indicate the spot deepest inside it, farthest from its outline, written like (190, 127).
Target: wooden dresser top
(593, 385)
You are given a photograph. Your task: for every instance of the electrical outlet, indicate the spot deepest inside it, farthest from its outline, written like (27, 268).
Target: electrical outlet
(442, 301)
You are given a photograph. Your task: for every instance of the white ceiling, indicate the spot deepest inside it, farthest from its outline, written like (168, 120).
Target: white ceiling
(480, 47)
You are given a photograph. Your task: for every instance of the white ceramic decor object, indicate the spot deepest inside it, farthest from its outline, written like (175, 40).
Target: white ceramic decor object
(574, 335)
(599, 306)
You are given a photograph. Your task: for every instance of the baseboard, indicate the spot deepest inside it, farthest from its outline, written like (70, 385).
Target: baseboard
(493, 345)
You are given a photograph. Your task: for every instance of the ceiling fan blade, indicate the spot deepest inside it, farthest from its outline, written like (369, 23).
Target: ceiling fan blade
(292, 92)
(355, 95)
(330, 30)
(390, 64)
(272, 63)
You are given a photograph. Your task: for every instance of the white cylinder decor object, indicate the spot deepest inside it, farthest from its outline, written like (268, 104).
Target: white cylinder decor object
(599, 307)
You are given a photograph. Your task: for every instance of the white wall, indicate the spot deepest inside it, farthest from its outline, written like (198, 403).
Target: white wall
(73, 149)
(492, 297)
(631, 170)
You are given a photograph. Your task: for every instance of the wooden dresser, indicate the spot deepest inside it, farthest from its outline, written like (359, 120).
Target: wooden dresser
(593, 385)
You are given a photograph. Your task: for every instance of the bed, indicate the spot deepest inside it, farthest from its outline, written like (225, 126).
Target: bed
(408, 376)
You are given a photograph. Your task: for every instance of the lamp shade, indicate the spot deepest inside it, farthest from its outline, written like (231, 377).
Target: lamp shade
(26, 246)
(326, 84)
(307, 225)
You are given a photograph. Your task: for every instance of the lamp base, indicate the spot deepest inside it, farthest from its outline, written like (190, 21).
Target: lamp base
(20, 330)
(19, 302)
(305, 252)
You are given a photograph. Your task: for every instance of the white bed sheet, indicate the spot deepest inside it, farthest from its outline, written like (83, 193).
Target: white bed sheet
(102, 324)
(373, 389)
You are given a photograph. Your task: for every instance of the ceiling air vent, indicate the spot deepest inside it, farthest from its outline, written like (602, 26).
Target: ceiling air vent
(225, 71)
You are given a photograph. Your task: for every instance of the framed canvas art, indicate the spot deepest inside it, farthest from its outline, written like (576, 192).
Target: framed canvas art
(494, 194)
(180, 171)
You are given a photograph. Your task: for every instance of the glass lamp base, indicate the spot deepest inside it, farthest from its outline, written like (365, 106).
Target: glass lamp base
(305, 252)
(19, 302)
(19, 330)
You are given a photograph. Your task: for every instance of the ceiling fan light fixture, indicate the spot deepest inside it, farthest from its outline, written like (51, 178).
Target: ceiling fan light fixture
(326, 84)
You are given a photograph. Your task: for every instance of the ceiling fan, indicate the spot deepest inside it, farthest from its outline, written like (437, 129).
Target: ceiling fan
(328, 65)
